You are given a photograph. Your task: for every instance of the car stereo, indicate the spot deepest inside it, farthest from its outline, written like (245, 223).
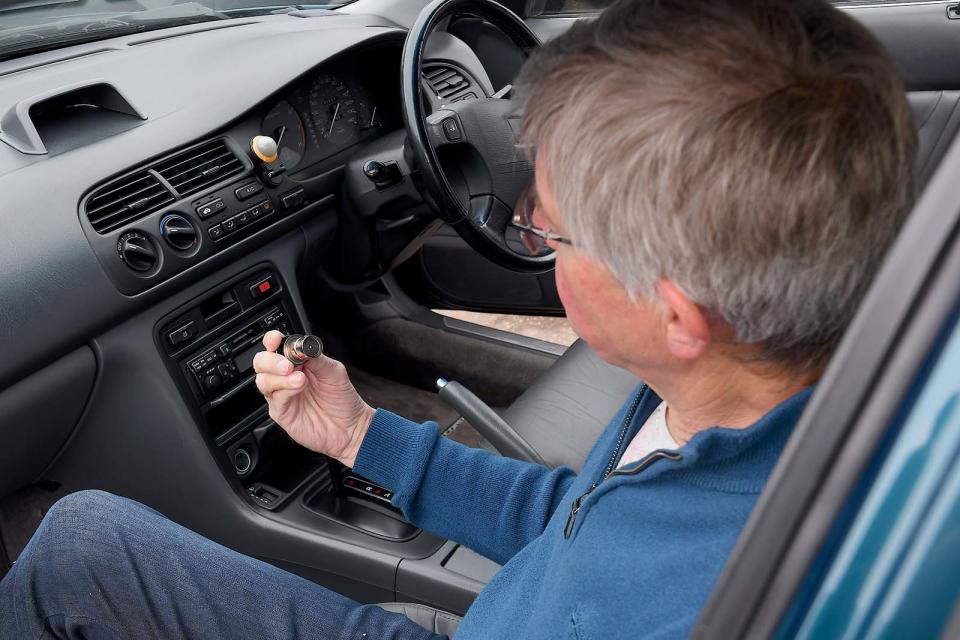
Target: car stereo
(210, 344)
(227, 360)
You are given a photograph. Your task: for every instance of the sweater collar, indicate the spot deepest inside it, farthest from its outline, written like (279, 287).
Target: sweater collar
(736, 460)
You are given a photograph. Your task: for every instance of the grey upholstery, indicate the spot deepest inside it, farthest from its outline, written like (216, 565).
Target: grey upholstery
(427, 617)
(567, 407)
(937, 116)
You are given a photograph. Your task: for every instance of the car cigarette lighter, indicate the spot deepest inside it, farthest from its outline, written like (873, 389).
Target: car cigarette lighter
(298, 349)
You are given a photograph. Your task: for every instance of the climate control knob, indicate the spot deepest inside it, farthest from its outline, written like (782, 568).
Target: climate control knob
(178, 232)
(137, 251)
(212, 381)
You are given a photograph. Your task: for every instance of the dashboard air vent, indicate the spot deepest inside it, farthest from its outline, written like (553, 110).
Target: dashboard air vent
(126, 199)
(448, 82)
(199, 167)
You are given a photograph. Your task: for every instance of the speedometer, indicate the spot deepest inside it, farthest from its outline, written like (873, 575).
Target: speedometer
(334, 109)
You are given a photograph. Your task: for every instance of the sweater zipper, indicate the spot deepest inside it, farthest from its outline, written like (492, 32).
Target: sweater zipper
(610, 470)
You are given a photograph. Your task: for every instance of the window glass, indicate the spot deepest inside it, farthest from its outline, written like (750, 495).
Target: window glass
(894, 566)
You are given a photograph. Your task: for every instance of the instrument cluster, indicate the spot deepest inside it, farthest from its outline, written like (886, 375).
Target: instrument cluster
(339, 106)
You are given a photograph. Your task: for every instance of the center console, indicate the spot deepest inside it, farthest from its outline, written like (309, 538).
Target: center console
(209, 346)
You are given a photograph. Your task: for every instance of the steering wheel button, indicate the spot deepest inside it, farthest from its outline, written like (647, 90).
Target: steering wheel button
(451, 129)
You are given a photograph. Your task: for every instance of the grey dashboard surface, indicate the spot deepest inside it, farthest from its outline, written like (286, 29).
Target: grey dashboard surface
(188, 83)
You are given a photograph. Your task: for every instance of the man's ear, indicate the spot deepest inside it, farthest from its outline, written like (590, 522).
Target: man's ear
(688, 326)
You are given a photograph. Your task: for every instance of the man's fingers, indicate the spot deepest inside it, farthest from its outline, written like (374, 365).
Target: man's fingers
(269, 384)
(272, 340)
(274, 363)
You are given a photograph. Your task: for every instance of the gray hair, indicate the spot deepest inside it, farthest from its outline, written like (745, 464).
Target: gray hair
(760, 155)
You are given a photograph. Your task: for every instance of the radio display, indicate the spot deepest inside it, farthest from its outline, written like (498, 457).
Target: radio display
(245, 360)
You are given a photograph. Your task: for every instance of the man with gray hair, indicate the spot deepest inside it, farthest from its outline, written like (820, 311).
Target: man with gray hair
(720, 181)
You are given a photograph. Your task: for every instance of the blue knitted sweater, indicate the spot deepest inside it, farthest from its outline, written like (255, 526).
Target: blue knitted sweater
(640, 555)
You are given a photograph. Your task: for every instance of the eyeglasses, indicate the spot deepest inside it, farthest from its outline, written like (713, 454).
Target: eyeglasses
(534, 239)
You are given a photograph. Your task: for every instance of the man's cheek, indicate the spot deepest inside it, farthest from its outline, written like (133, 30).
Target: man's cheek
(568, 298)
(562, 287)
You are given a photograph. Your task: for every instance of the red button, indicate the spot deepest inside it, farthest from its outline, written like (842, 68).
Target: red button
(259, 289)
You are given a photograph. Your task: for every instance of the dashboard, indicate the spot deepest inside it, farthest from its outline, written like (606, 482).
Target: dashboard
(163, 217)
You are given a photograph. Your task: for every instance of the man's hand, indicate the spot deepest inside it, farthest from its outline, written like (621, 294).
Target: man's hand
(315, 403)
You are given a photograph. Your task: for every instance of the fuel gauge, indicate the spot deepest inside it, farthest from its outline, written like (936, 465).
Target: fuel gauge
(369, 114)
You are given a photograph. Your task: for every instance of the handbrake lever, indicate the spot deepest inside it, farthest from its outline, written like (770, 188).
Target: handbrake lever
(486, 421)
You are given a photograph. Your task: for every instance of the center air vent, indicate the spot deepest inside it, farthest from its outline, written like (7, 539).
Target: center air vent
(448, 82)
(199, 167)
(126, 199)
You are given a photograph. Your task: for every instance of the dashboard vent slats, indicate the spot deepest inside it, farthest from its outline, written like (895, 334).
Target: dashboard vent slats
(446, 81)
(199, 167)
(129, 198)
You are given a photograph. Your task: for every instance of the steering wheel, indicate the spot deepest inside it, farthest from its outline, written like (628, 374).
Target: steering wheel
(471, 162)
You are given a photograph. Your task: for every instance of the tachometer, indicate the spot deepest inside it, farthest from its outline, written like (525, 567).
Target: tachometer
(334, 109)
(284, 125)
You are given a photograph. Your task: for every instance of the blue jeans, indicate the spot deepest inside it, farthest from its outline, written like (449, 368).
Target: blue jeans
(103, 567)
